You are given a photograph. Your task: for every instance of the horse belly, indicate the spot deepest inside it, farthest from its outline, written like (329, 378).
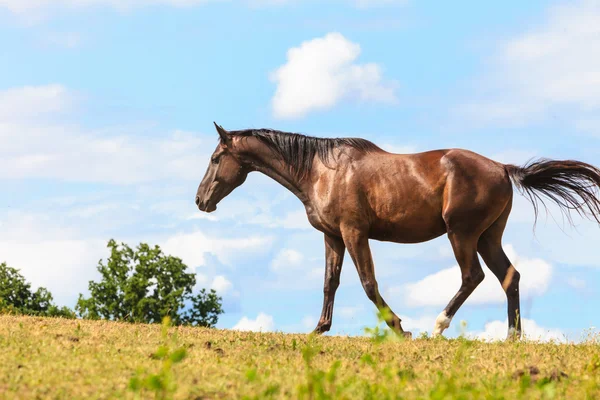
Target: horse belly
(403, 228)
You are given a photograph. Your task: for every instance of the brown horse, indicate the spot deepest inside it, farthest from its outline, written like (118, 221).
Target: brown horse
(354, 191)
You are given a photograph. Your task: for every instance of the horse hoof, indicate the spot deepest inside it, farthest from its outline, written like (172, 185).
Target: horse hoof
(513, 335)
(321, 329)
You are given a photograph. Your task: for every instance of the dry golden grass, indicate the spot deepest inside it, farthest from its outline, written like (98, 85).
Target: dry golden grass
(72, 359)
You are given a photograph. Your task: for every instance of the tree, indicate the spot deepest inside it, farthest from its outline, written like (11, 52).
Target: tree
(205, 310)
(145, 285)
(16, 296)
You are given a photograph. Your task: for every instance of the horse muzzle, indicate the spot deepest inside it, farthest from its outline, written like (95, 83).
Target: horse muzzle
(205, 205)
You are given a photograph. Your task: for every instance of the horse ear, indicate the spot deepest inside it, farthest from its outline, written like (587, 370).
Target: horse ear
(224, 134)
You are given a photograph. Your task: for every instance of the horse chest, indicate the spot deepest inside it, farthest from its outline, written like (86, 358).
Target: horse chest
(322, 220)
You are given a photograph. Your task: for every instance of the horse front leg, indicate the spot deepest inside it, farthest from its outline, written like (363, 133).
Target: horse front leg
(357, 242)
(334, 258)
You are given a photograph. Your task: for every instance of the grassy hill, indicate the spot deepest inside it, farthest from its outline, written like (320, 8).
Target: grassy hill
(71, 359)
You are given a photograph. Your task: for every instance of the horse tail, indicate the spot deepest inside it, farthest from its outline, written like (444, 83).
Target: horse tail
(573, 185)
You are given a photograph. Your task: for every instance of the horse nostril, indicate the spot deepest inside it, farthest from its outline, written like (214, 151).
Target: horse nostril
(197, 200)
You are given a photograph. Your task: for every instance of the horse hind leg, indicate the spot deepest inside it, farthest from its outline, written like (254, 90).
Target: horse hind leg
(490, 248)
(465, 251)
(471, 206)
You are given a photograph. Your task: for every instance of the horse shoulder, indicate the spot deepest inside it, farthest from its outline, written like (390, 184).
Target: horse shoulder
(331, 193)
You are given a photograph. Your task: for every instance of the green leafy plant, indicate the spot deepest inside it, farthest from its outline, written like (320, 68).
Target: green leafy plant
(162, 384)
(319, 384)
(379, 334)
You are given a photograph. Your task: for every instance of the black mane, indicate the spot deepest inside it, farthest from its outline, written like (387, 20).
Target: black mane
(298, 151)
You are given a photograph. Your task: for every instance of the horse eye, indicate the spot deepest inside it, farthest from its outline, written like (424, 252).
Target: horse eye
(215, 160)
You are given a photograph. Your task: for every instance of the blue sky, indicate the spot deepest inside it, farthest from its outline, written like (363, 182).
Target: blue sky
(106, 111)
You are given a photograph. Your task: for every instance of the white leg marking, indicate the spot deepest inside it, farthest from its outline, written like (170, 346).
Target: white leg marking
(513, 333)
(442, 322)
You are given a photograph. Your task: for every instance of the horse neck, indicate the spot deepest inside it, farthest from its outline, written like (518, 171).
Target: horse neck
(265, 160)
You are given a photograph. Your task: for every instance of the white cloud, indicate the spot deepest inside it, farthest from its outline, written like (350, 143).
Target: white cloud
(201, 281)
(321, 72)
(60, 252)
(555, 64)
(294, 220)
(255, 211)
(294, 271)
(348, 312)
(309, 322)
(68, 154)
(416, 325)
(445, 251)
(54, 252)
(192, 247)
(33, 101)
(50, 254)
(497, 330)
(264, 214)
(205, 216)
(576, 283)
(287, 259)
(437, 289)
(262, 323)
(221, 284)
(62, 266)
(553, 236)
(305, 279)
(34, 145)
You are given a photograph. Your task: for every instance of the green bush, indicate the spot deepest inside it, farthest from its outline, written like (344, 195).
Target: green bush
(16, 297)
(145, 285)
